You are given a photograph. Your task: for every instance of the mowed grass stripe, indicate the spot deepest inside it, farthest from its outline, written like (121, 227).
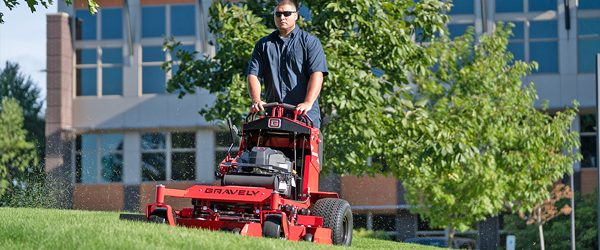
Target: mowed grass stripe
(28, 228)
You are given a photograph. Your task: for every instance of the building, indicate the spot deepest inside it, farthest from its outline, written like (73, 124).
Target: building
(113, 132)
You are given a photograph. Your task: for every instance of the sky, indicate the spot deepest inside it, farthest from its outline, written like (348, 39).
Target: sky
(23, 40)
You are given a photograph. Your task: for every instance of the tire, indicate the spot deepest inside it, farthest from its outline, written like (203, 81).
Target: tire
(236, 230)
(159, 215)
(272, 226)
(309, 237)
(337, 216)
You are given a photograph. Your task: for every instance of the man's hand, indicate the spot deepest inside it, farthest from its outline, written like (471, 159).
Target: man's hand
(257, 106)
(304, 107)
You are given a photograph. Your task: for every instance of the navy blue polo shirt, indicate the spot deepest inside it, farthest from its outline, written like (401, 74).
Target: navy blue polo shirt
(285, 66)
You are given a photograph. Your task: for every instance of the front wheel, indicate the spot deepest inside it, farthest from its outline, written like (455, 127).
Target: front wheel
(159, 215)
(272, 226)
(337, 216)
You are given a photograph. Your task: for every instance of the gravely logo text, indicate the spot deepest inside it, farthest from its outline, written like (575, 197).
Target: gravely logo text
(230, 191)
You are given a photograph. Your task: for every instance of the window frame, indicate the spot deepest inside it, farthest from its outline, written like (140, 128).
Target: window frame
(168, 152)
(99, 152)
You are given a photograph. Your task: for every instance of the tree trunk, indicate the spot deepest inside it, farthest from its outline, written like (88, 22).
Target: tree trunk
(539, 223)
(450, 241)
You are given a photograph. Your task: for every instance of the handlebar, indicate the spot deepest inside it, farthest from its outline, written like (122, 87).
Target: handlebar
(278, 107)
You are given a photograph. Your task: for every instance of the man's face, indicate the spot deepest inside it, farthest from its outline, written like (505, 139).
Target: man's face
(285, 22)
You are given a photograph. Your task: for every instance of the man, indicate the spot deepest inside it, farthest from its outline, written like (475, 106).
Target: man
(291, 64)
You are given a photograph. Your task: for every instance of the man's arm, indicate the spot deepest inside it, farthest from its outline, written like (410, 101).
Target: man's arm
(314, 88)
(254, 90)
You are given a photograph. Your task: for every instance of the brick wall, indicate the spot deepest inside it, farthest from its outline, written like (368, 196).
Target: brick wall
(59, 66)
(588, 180)
(365, 191)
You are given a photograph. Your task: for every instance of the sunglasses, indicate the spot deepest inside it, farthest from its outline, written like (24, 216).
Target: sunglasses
(284, 13)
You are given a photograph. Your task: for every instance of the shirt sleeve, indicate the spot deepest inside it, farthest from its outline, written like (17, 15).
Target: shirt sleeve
(316, 56)
(255, 67)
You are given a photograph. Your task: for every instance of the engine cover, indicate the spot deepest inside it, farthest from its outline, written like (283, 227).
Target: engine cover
(268, 156)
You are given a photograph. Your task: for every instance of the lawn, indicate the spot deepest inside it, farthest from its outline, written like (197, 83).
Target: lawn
(27, 228)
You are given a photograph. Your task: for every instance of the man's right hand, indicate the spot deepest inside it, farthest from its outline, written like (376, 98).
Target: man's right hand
(257, 106)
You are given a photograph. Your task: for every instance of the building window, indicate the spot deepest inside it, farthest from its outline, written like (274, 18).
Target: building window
(110, 24)
(588, 4)
(462, 7)
(99, 65)
(543, 45)
(154, 80)
(99, 158)
(542, 5)
(536, 41)
(508, 6)
(86, 25)
(505, 6)
(588, 30)
(588, 140)
(222, 144)
(181, 22)
(516, 43)
(168, 156)
(456, 30)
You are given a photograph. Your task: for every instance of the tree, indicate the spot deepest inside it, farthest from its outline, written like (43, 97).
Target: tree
(17, 155)
(15, 84)
(10, 4)
(488, 145)
(544, 212)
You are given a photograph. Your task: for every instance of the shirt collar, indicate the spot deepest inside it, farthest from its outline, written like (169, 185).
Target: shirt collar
(292, 34)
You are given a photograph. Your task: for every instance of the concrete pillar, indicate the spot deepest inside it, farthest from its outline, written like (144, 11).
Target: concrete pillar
(488, 237)
(369, 221)
(406, 225)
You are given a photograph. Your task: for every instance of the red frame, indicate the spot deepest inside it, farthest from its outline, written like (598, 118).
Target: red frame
(294, 228)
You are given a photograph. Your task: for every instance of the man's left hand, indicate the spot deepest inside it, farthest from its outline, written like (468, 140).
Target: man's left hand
(303, 108)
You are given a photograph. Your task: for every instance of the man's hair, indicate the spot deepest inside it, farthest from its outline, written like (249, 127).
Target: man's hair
(286, 2)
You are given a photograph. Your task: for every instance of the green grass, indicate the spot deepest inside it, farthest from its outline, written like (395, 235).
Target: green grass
(27, 228)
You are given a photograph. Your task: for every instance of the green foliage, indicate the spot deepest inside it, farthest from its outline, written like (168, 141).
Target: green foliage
(354, 33)
(557, 232)
(19, 86)
(16, 153)
(363, 232)
(28, 191)
(27, 228)
(483, 143)
(11, 4)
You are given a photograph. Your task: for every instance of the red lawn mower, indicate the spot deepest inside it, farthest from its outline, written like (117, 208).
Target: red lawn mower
(270, 189)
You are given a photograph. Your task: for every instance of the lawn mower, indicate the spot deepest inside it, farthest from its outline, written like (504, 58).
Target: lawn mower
(270, 189)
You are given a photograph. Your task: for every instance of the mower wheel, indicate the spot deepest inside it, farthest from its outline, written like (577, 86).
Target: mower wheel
(236, 230)
(309, 237)
(159, 215)
(337, 216)
(272, 226)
